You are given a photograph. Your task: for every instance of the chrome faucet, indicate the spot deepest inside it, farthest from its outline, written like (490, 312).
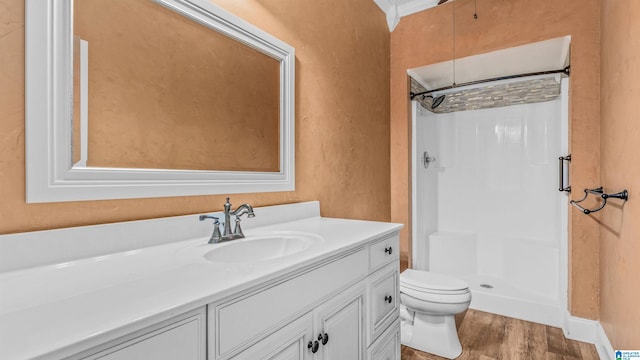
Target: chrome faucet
(227, 235)
(237, 230)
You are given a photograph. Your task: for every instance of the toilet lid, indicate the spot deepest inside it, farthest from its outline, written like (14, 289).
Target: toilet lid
(431, 281)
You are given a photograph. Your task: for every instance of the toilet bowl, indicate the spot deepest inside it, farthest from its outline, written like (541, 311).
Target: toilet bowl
(428, 305)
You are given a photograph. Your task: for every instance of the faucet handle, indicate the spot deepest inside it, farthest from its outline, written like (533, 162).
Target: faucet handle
(216, 236)
(237, 229)
(216, 219)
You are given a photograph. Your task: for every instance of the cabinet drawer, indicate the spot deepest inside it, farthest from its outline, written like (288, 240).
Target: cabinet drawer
(383, 252)
(182, 337)
(383, 299)
(387, 347)
(244, 319)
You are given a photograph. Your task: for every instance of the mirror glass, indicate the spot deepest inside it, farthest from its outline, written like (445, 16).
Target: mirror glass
(154, 89)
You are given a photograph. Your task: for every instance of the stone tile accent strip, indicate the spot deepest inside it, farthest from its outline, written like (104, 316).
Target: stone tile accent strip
(521, 92)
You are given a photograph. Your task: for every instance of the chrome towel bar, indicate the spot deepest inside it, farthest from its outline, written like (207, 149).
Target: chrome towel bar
(563, 181)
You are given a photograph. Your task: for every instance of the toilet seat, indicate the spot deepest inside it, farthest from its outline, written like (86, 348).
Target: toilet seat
(448, 298)
(433, 291)
(434, 287)
(432, 282)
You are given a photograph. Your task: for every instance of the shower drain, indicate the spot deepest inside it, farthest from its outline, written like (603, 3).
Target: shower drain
(486, 286)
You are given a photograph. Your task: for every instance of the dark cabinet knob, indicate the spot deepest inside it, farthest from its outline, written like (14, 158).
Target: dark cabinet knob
(324, 338)
(388, 299)
(388, 250)
(313, 346)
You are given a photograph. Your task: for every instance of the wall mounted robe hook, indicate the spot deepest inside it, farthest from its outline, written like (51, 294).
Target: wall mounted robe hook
(623, 195)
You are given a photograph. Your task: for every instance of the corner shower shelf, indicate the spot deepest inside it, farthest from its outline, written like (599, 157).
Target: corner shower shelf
(623, 195)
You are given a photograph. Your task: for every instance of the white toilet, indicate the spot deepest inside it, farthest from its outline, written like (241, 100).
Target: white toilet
(428, 305)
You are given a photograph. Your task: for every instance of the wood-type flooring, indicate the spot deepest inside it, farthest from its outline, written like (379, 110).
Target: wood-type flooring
(486, 336)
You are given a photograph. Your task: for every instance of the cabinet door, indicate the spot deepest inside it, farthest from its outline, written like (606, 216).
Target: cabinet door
(288, 343)
(182, 337)
(339, 325)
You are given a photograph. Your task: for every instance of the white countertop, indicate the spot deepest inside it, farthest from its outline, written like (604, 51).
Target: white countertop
(51, 310)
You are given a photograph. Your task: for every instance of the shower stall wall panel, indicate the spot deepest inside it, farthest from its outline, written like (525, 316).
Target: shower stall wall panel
(493, 196)
(426, 197)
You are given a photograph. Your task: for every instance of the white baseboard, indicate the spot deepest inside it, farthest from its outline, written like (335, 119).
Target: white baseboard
(603, 345)
(589, 331)
(580, 329)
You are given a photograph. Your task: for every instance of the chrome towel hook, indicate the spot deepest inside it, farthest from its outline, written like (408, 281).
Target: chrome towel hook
(623, 195)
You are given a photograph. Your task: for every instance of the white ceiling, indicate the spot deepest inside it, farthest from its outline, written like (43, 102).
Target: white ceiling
(395, 9)
(548, 55)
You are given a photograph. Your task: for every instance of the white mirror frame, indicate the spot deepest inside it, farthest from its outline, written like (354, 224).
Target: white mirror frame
(50, 175)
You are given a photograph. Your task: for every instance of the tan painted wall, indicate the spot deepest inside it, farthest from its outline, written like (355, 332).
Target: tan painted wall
(620, 129)
(342, 103)
(427, 37)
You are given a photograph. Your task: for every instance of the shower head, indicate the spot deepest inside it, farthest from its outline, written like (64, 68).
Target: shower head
(437, 101)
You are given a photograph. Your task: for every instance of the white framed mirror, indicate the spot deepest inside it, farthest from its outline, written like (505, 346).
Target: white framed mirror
(71, 157)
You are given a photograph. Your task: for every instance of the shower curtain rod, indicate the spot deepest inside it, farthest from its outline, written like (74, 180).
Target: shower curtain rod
(566, 71)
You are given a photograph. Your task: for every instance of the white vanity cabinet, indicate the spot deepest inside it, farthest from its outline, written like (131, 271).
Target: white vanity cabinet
(344, 308)
(182, 337)
(299, 287)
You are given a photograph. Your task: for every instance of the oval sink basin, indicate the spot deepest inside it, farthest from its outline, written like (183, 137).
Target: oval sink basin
(261, 248)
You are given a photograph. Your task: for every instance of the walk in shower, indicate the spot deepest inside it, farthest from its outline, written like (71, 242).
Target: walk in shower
(485, 201)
